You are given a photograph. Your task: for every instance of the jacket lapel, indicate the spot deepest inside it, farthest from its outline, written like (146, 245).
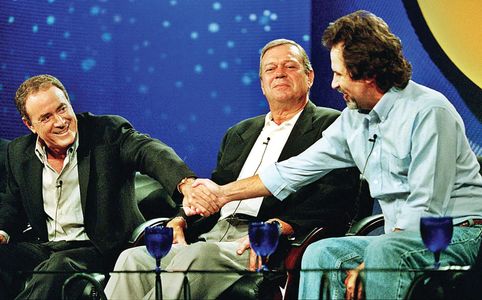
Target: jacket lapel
(245, 141)
(297, 140)
(32, 185)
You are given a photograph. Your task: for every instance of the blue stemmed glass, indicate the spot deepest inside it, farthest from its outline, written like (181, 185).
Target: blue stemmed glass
(263, 238)
(158, 243)
(436, 235)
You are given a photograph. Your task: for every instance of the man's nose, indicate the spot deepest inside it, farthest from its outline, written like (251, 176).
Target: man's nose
(334, 83)
(280, 74)
(59, 119)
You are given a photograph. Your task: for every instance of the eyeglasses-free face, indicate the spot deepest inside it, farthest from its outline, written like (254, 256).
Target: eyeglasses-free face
(52, 118)
(49, 118)
(283, 76)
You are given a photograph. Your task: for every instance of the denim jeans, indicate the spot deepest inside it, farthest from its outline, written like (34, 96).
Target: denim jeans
(397, 251)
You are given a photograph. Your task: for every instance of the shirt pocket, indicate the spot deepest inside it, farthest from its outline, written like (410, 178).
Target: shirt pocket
(398, 164)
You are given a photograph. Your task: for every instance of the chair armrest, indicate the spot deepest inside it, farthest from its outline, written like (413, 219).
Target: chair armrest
(94, 286)
(292, 260)
(298, 245)
(137, 236)
(366, 225)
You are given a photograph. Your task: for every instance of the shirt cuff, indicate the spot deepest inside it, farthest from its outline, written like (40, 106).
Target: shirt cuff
(273, 181)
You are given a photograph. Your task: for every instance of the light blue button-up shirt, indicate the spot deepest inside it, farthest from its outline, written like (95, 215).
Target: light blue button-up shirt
(420, 163)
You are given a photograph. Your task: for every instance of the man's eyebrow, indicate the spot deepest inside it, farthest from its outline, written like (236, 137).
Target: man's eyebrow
(49, 113)
(283, 61)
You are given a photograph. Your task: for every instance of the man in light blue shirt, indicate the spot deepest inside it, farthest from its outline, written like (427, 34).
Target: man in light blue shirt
(410, 144)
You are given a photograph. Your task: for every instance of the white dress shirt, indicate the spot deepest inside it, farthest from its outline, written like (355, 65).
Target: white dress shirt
(61, 197)
(266, 150)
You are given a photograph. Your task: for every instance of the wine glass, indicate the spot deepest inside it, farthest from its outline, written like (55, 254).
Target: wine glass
(436, 235)
(158, 243)
(263, 238)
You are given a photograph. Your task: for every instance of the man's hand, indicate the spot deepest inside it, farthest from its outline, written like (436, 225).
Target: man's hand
(178, 224)
(3, 239)
(254, 263)
(185, 188)
(207, 197)
(351, 283)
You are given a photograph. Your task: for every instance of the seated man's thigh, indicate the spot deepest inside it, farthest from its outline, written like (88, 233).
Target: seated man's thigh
(208, 256)
(21, 256)
(76, 259)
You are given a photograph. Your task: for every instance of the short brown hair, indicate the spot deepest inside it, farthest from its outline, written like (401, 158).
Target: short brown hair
(304, 57)
(32, 86)
(370, 49)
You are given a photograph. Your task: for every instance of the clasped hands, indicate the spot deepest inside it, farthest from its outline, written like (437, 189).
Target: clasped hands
(203, 197)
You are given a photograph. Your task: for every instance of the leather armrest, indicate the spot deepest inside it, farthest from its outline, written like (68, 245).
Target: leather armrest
(366, 225)
(137, 236)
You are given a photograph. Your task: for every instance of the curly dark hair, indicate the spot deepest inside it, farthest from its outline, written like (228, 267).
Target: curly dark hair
(32, 86)
(370, 49)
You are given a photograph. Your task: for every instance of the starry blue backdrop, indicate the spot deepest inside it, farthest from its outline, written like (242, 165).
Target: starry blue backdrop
(182, 71)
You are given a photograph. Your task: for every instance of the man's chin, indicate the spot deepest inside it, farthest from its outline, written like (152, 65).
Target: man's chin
(62, 143)
(352, 105)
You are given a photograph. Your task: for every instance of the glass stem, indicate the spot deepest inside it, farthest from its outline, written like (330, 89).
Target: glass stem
(436, 254)
(158, 280)
(264, 260)
(158, 265)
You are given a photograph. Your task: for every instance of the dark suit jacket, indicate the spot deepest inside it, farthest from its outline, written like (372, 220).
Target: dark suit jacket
(109, 153)
(3, 172)
(326, 202)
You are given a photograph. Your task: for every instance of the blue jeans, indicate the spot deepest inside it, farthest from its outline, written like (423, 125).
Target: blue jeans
(397, 251)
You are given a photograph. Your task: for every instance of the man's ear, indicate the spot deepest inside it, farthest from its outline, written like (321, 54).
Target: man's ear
(311, 78)
(29, 125)
(261, 83)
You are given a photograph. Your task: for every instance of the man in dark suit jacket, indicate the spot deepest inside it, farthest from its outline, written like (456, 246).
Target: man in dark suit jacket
(72, 181)
(219, 242)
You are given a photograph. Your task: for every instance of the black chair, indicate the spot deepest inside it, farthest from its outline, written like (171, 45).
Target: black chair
(444, 285)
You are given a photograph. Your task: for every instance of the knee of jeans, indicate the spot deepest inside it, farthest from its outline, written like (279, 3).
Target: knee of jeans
(316, 253)
(383, 252)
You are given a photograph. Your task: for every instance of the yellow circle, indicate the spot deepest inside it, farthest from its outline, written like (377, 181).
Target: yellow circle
(457, 27)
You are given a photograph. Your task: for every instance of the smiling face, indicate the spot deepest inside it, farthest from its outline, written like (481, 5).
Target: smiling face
(52, 118)
(283, 76)
(358, 94)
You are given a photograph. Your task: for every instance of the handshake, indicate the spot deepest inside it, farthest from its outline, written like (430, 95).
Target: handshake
(202, 197)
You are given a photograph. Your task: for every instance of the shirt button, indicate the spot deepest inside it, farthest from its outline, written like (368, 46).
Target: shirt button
(375, 181)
